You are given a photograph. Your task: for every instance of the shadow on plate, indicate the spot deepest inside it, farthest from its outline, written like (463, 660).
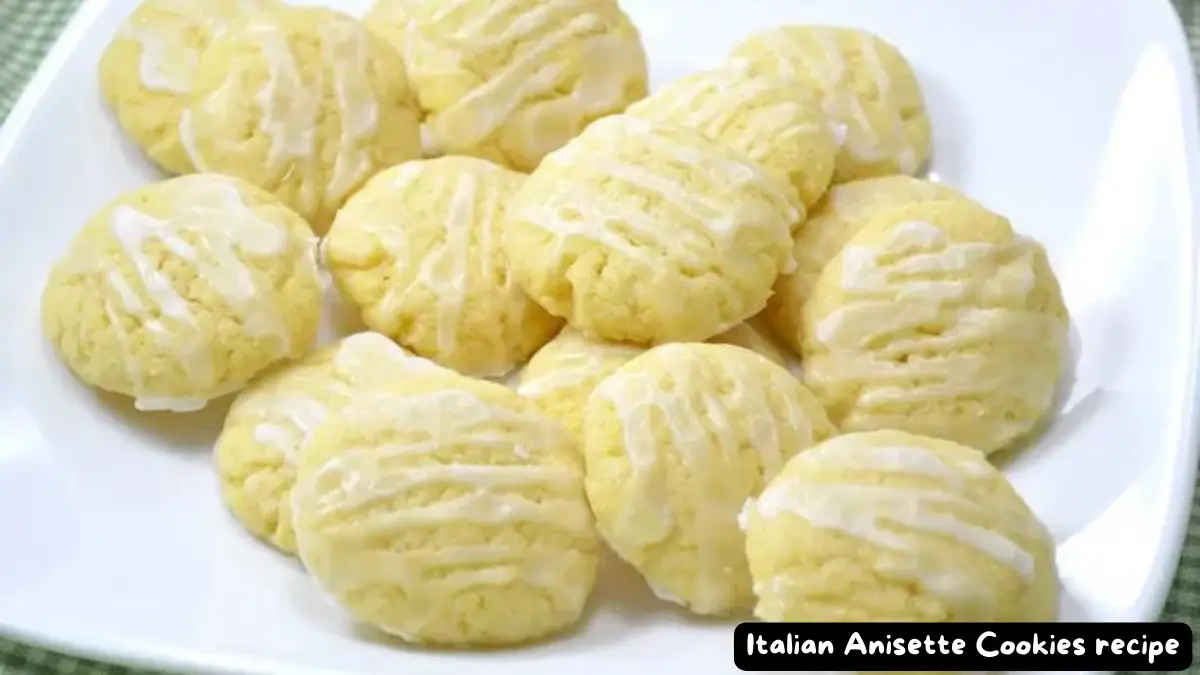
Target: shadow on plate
(72, 411)
(188, 432)
(948, 163)
(1059, 423)
(621, 590)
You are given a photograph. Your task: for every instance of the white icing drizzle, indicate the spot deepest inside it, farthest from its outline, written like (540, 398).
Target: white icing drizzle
(446, 270)
(711, 102)
(973, 291)
(510, 295)
(374, 485)
(167, 59)
(704, 436)
(899, 459)
(895, 518)
(214, 231)
(292, 102)
(545, 28)
(572, 360)
(287, 415)
(346, 52)
(849, 122)
(578, 209)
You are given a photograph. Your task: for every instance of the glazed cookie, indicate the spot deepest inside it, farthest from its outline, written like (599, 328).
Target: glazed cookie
(449, 511)
(769, 118)
(831, 223)
(303, 102)
(868, 91)
(747, 336)
(675, 442)
(418, 250)
(181, 291)
(886, 526)
(146, 71)
(512, 80)
(271, 421)
(561, 375)
(647, 232)
(937, 319)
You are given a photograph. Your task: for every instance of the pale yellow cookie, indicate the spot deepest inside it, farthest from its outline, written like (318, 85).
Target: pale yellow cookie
(446, 510)
(181, 291)
(271, 421)
(830, 224)
(647, 232)
(675, 442)
(748, 336)
(418, 251)
(868, 91)
(769, 118)
(146, 70)
(303, 102)
(886, 527)
(561, 375)
(511, 80)
(937, 319)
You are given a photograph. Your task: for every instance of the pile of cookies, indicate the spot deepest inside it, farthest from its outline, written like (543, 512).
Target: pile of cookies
(584, 306)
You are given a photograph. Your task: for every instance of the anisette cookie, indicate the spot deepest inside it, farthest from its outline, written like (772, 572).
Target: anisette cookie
(146, 70)
(271, 421)
(511, 80)
(303, 102)
(449, 511)
(181, 291)
(937, 319)
(561, 375)
(868, 91)
(886, 526)
(418, 251)
(830, 224)
(769, 118)
(648, 232)
(675, 442)
(748, 336)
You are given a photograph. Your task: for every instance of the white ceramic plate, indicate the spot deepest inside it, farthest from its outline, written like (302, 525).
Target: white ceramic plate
(1076, 118)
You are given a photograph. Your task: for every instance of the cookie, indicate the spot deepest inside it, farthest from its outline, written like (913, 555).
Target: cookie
(937, 319)
(146, 70)
(511, 80)
(769, 118)
(303, 102)
(830, 224)
(447, 511)
(562, 375)
(675, 442)
(886, 526)
(418, 251)
(647, 232)
(181, 291)
(271, 421)
(748, 336)
(868, 91)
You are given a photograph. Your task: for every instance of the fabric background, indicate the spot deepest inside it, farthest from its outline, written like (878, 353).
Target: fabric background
(27, 30)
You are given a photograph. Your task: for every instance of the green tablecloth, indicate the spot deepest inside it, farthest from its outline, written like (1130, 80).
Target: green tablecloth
(28, 28)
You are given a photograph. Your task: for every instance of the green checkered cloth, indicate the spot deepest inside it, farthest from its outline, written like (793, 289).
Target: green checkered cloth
(28, 29)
